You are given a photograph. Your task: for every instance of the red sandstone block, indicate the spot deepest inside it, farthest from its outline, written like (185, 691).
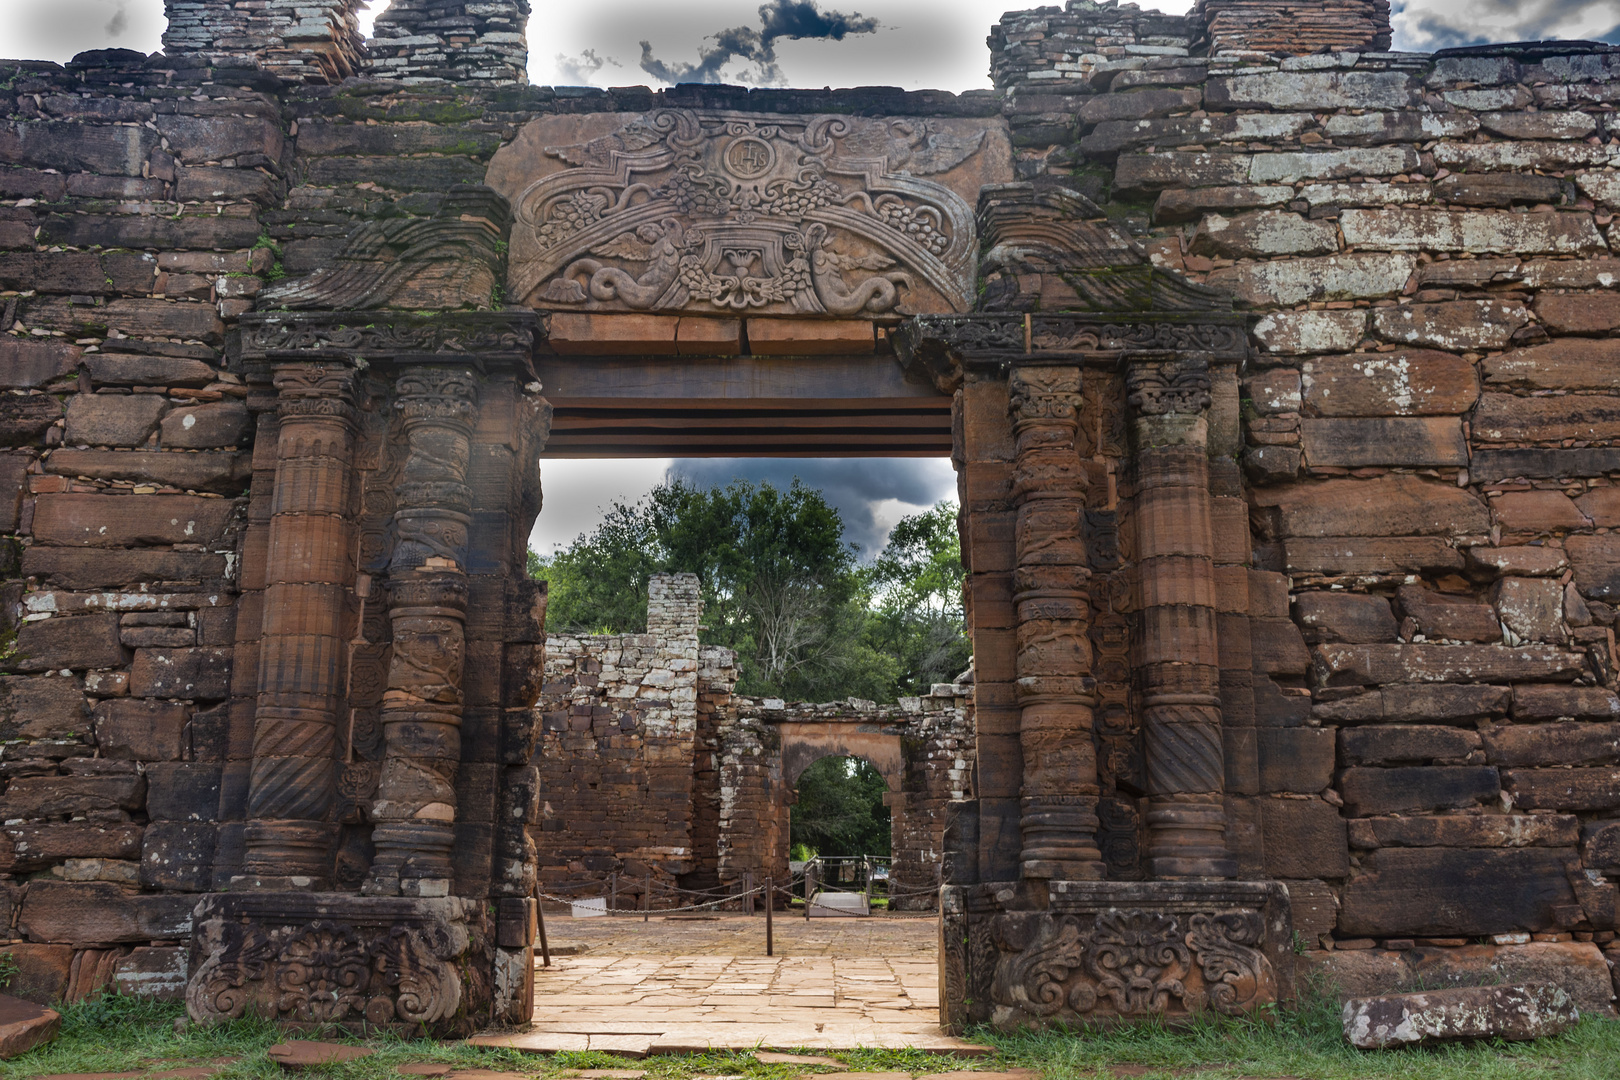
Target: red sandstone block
(708, 337)
(600, 335)
(85, 520)
(810, 337)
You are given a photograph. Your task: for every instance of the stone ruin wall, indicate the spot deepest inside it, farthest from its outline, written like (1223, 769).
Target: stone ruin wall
(651, 764)
(1428, 446)
(1425, 745)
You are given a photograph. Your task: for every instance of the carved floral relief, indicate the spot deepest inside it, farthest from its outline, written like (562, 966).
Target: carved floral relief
(719, 212)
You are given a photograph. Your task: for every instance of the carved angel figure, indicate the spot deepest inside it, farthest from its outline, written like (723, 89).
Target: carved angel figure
(877, 293)
(660, 246)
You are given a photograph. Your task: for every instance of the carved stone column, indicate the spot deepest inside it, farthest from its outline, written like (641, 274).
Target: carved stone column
(415, 811)
(1058, 812)
(310, 566)
(1178, 662)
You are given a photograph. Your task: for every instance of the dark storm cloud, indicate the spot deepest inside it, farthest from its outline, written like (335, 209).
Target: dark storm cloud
(577, 70)
(855, 486)
(1430, 25)
(791, 19)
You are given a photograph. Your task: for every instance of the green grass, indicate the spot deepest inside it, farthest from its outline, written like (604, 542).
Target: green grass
(119, 1034)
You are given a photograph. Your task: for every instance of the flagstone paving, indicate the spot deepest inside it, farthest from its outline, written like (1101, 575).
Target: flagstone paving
(671, 986)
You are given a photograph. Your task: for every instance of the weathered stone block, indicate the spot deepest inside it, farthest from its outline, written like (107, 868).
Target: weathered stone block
(1508, 418)
(1406, 744)
(141, 318)
(1529, 560)
(124, 520)
(1312, 90)
(119, 150)
(1402, 441)
(222, 472)
(81, 913)
(1466, 831)
(70, 568)
(1404, 228)
(76, 642)
(1459, 325)
(39, 846)
(1533, 608)
(1370, 791)
(1291, 167)
(1596, 561)
(199, 427)
(42, 971)
(199, 673)
(118, 369)
(156, 973)
(1303, 838)
(1423, 704)
(1563, 789)
(113, 419)
(1533, 702)
(1371, 665)
(1262, 234)
(1273, 392)
(26, 364)
(1455, 891)
(1344, 616)
(1513, 1013)
(1352, 276)
(1450, 618)
(141, 730)
(1579, 313)
(1295, 332)
(34, 797)
(1569, 743)
(1600, 844)
(1564, 364)
(1296, 759)
(178, 855)
(1399, 505)
(1141, 105)
(1190, 204)
(1497, 189)
(1137, 173)
(1537, 512)
(24, 420)
(43, 707)
(1370, 555)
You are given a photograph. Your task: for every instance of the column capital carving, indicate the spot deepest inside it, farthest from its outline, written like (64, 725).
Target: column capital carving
(437, 393)
(316, 389)
(1168, 387)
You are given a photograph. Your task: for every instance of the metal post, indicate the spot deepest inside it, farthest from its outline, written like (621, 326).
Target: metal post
(545, 949)
(613, 892)
(770, 945)
(646, 896)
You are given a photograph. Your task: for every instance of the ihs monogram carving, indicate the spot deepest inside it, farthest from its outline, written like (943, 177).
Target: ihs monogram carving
(715, 211)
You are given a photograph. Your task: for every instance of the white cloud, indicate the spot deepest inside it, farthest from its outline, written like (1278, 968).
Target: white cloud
(1429, 25)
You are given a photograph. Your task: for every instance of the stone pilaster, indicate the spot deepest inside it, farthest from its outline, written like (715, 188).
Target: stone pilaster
(415, 811)
(1058, 812)
(311, 558)
(1177, 663)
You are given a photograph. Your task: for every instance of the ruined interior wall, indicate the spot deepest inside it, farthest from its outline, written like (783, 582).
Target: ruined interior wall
(1428, 456)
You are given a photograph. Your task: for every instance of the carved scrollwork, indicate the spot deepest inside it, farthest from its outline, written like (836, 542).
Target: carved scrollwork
(321, 974)
(709, 210)
(1128, 962)
(1237, 975)
(389, 335)
(424, 988)
(1181, 386)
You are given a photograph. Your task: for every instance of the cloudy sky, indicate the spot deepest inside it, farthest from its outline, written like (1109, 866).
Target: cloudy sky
(911, 43)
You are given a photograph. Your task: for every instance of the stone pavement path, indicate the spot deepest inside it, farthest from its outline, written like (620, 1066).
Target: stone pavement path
(895, 936)
(673, 986)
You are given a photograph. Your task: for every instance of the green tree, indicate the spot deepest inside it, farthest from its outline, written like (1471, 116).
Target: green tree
(916, 583)
(840, 809)
(779, 584)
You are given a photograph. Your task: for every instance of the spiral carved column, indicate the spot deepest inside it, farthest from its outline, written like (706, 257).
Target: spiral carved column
(1058, 811)
(1178, 661)
(415, 810)
(310, 567)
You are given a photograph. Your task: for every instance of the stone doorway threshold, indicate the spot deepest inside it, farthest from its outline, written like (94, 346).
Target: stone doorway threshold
(681, 986)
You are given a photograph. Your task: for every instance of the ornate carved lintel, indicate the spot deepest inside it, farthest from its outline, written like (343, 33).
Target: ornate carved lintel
(315, 959)
(1106, 952)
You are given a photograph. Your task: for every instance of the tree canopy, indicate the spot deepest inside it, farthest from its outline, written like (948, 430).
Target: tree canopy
(780, 585)
(840, 809)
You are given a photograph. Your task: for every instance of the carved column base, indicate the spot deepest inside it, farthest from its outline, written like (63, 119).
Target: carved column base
(412, 966)
(412, 859)
(287, 855)
(1187, 837)
(1104, 952)
(1059, 834)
